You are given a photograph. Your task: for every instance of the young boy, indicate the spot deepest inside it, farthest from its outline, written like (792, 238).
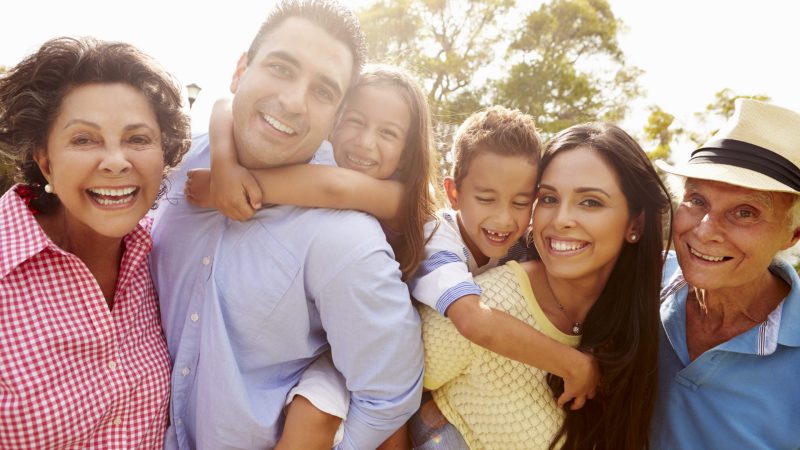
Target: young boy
(491, 192)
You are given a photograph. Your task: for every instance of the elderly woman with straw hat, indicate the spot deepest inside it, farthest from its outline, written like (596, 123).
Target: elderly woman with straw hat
(730, 340)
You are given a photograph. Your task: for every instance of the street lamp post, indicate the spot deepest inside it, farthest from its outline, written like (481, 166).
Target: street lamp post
(192, 91)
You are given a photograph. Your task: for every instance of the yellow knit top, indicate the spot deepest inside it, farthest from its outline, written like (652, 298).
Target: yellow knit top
(495, 402)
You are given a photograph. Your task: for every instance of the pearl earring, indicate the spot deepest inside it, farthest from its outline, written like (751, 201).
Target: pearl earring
(634, 237)
(48, 188)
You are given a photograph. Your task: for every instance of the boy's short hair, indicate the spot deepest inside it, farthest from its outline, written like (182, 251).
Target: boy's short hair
(335, 19)
(498, 130)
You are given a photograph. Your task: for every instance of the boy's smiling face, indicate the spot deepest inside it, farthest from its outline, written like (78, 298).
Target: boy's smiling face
(494, 203)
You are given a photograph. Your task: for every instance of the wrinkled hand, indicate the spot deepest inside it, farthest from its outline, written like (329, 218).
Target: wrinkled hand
(235, 192)
(581, 384)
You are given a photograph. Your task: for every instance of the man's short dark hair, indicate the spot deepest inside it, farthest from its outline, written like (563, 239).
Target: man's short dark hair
(338, 21)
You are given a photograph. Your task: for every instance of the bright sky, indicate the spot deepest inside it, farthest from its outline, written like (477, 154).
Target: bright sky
(689, 49)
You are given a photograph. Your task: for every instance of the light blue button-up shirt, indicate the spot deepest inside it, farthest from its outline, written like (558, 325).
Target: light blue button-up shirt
(741, 394)
(246, 307)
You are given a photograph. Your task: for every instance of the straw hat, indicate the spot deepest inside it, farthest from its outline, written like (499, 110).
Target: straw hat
(758, 148)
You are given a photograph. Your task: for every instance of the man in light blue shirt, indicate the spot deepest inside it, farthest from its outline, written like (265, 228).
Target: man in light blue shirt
(247, 306)
(741, 394)
(729, 348)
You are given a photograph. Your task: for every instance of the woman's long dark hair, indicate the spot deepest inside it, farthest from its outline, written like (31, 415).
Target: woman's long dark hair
(621, 329)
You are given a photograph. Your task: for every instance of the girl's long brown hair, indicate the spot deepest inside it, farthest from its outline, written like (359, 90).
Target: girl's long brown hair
(416, 167)
(621, 329)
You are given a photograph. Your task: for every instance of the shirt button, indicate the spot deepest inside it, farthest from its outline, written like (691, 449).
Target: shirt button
(206, 260)
(195, 317)
(112, 365)
(185, 371)
(117, 421)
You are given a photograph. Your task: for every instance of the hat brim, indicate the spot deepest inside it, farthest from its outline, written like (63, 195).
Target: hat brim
(736, 176)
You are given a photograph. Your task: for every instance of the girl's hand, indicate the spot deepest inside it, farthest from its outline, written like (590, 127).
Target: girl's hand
(581, 384)
(198, 188)
(235, 192)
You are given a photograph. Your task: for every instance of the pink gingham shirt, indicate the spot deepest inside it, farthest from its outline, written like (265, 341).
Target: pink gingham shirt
(74, 374)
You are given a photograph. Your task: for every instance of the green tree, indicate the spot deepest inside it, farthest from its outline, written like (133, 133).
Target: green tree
(565, 64)
(445, 42)
(569, 67)
(718, 111)
(659, 130)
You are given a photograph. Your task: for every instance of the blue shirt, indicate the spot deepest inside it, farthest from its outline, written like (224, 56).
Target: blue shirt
(743, 393)
(246, 307)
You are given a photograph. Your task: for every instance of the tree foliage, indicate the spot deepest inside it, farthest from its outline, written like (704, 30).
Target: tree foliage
(562, 63)
(717, 112)
(659, 130)
(445, 42)
(660, 127)
(569, 67)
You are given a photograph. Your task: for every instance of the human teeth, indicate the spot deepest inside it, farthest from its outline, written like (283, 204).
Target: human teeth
(565, 246)
(361, 161)
(109, 202)
(706, 257)
(113, 192)
(496, 236)
(277, 125)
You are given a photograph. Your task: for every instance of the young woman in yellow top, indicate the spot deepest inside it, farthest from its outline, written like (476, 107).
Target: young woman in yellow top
(597, 225)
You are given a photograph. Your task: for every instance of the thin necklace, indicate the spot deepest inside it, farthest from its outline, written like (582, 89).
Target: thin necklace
(576, 326)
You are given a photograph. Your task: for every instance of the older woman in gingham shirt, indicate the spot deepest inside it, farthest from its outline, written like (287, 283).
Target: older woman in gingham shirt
(92, 127)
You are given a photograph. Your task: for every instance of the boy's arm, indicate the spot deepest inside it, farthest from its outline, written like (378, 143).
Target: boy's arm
(443, 282)
(508, 336)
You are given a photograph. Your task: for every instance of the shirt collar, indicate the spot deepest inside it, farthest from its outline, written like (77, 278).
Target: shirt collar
(781, 327)
(789, 333)
(21, 237)
(140, 237)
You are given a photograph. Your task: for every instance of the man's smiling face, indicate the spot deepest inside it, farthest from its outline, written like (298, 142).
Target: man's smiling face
(286, 97)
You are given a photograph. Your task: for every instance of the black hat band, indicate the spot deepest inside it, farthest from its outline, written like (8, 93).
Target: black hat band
(748, 156)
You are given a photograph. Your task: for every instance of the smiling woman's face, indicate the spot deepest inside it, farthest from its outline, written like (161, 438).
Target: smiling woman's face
(581, 217)
(104, 158)
(726, 236)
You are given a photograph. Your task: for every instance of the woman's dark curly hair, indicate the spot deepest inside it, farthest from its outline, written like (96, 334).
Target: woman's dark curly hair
(31, 94)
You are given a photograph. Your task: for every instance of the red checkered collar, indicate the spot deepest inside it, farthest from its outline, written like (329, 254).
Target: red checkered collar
(21, 237)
